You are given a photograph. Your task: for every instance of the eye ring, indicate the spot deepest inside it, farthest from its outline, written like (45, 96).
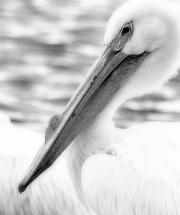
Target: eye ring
(124, 35)
(126, 29)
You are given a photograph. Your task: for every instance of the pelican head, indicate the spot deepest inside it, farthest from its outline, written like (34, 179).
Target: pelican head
(141, 50)
(156, 31)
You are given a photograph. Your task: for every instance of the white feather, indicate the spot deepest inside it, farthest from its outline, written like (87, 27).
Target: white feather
(52, 193)
(140, 172)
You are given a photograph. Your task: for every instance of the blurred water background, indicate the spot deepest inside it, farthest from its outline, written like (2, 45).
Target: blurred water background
(46, 49)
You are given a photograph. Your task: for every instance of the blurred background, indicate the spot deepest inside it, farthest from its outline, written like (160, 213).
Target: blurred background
(46, 49)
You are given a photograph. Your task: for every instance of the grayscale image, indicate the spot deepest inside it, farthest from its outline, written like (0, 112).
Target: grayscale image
(90, 107)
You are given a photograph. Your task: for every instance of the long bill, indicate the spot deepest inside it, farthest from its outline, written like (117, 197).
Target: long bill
(109, 72)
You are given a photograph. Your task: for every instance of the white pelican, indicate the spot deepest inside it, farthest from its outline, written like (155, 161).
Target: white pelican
(134, 171)
(53, 194)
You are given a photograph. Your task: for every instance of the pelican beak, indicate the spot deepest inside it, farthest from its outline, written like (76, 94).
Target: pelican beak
(109, 71)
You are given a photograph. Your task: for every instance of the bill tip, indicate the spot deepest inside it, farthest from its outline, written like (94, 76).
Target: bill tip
(21, 188)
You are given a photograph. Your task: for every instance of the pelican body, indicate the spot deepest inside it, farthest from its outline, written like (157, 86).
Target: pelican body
(100, 169)
(52, 194)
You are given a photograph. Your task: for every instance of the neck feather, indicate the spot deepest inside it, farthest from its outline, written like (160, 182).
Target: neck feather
(94, 139)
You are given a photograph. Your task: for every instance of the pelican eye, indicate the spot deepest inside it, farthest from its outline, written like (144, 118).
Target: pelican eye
(123, 36)
(126, 29)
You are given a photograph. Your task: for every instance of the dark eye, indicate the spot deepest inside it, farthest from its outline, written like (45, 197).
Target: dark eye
(126, 30)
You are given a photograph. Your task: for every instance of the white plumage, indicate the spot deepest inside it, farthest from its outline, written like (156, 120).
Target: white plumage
(134, 171)
(51, 194)
(142, 176)
(140, 172)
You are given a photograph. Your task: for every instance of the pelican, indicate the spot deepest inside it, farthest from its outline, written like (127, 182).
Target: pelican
(99, 168)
